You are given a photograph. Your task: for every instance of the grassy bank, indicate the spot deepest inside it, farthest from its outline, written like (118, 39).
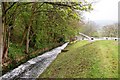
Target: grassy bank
(86, 60)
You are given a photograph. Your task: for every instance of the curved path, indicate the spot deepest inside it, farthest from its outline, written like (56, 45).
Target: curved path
(85, 35)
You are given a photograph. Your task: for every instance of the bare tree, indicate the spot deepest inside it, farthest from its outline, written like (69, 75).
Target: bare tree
(110, 30)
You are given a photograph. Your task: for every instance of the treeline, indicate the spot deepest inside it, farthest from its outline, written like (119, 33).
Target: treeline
(90, 28)
(32, 26)
(110, 30)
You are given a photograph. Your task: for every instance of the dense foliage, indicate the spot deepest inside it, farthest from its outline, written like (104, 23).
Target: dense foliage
(33, 27)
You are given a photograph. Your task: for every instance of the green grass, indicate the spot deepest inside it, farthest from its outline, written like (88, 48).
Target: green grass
(86, 60)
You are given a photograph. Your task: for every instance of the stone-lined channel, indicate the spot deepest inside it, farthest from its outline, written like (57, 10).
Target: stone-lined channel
(34, 67)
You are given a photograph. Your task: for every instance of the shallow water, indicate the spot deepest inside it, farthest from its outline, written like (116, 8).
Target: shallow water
(34, 67)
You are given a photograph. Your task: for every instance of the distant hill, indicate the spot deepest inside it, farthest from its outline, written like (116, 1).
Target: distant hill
(104, 22)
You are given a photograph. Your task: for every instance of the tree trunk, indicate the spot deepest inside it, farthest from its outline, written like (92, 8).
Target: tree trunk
(1, 40)
(27, 40)
(6, 29)
(29, 27)
(5, 42)
(4, 26)
(6, 32)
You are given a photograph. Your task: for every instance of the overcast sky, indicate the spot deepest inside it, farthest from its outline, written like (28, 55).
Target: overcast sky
(105, 12)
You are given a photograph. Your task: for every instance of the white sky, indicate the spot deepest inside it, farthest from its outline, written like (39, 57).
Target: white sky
(104, 10)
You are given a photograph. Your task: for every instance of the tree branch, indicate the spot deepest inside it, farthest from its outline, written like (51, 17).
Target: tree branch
(10, 7)
(59, 4)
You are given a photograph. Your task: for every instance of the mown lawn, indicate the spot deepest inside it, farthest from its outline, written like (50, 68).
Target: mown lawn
(97, 59)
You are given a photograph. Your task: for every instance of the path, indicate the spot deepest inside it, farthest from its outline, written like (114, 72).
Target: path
(85, 35)
(100, 38)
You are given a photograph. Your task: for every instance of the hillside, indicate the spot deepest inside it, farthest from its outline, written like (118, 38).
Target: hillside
(86, 60)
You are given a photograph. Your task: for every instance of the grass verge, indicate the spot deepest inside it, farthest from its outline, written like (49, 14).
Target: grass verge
(97, 59)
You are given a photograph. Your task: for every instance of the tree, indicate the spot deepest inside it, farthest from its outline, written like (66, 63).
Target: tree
(1, 38)
(1, 35)
(6, 25)
(37, 24)
(110, 30)
(90, 29)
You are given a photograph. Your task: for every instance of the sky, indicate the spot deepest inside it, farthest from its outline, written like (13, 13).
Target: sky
(105, 12)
